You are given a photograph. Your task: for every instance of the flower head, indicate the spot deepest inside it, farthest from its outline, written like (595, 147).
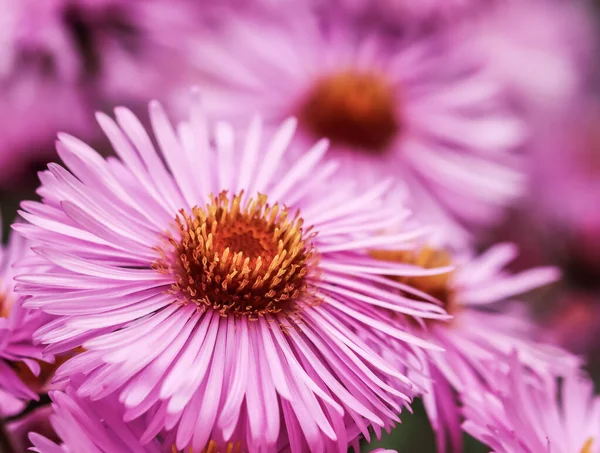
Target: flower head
(127, 50)
(62, 58)
(19, 356)
(524, 415)
(544, 63)
(487, 326)
(38, 82)
(565, 184)
(420, 109)
(85, 425)
(219, 290)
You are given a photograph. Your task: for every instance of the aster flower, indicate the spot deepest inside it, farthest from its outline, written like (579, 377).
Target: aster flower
(565, 187)
(19, 357)
(487, 325)
(574, 321)
(419, 109)
(93, 426)
(38, 84)
(220, 294)
(543, 62)
(62, 58)
(85, 425)
(531, 416)
(130, 50)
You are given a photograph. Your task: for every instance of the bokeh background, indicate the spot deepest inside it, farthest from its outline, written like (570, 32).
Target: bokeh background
(60, 61)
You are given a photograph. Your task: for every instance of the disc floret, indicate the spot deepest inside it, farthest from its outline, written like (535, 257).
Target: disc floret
(240, 258)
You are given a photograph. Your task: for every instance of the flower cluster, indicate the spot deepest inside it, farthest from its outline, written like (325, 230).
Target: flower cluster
(285, 251)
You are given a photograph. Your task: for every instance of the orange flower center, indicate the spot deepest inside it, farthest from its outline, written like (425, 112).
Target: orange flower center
(5, 304)
(353, 109)
(242, 260)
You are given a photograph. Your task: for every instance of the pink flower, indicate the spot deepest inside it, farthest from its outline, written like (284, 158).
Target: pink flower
(487, 326)
(565, 188)
(132, 50)
(19, 357)
(63, 58)
(85, 425)
(38, 82)
(574, 321)
(524, 415)
(421, 110)
(543, 62)
(93, 426)
(219, 290)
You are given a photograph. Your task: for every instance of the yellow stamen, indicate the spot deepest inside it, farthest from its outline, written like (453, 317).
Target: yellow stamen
(247, 260)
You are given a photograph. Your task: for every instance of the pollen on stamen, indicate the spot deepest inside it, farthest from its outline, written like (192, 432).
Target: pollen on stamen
(239, 258)
(437, 286)
(351, 108)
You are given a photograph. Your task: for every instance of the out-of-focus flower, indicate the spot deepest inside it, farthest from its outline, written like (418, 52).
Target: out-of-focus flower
(19, 357)
(38, 84)
(541, 49)
(419, 109)
(482, 334)
(93, 426)
(63, 58)
(524, 415)
(574, 322)
(131, 50)
(220, 290)
(565, 188)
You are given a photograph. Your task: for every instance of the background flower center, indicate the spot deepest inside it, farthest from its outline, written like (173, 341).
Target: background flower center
(4, 305)
(353, 109)
(437, 286)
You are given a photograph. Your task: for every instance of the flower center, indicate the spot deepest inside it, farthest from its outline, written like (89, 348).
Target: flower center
(587, 447)
(352, 108)
(437, 286)
(4, 306)
(250, 260)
